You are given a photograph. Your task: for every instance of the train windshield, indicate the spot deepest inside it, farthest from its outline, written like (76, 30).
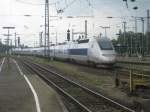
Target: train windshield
(105, 44)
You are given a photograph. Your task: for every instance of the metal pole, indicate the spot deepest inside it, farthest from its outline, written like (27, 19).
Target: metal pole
(135, 25)
(124, 27)
(40, 39)
(105, 29)
(10, 46)
(148, 30)
(136, 41)
(131, 44)
(131, 81)
(105, 32)
(56, 37)
(72, 35)
(85, 28)
(15, 39)
(142, 19)
(48, 38)
(148, 21)
(18, 41)
(116, 79)
(45, 32)
(8, 41)
(47, 45)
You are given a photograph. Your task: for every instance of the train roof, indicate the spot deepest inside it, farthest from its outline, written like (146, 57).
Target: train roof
(28, 49)
(78, 41)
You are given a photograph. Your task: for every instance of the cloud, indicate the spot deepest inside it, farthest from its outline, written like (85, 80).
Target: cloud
(12, 14)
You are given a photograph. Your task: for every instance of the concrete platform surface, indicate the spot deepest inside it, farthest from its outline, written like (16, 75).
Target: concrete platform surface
(16, 95)
(50, 101)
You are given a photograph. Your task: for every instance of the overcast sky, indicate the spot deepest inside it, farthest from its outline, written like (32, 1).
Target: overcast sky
(12, 14)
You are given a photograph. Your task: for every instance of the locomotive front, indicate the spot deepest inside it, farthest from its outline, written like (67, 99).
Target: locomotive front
(107, 52)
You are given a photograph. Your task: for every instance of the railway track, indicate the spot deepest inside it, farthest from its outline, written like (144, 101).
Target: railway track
(135, 62)
(116, 67)
(138, 69)
(84, 98)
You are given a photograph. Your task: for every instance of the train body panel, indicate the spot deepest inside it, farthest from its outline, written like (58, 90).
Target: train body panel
(78, 52)
(60, 51)
(93, 50)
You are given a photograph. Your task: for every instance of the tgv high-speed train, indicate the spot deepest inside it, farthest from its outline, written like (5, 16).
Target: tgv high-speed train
(96, 51)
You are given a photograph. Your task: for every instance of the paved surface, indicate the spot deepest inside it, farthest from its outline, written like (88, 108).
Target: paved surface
(49, 100)
(16, 95)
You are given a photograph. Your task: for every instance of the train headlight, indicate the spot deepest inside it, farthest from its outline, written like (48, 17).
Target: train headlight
(109, 55)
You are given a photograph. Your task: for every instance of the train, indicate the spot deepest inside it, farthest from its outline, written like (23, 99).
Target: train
(93, 51)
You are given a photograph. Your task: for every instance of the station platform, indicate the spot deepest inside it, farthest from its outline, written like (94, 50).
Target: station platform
(16, 94)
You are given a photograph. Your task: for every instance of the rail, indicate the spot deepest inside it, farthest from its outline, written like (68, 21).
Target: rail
(133, 75)
(98, 95)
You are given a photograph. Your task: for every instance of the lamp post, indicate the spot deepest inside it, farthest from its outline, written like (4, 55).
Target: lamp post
(105, 28)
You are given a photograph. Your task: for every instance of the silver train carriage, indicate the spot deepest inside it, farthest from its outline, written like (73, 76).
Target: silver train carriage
(97, 51)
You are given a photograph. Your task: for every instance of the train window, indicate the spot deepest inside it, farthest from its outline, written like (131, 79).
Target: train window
(83, 41)
(105, 44)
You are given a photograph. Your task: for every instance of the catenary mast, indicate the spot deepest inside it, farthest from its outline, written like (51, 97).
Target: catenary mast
(47, 46)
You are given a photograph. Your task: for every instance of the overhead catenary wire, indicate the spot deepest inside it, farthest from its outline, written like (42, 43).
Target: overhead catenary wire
(31, 3)
(68, 5)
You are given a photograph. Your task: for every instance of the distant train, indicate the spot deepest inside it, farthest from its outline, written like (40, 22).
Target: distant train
(95, 51)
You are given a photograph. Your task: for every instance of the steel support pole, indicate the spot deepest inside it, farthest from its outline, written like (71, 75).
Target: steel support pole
(148, 31)
(48, 38)
(142, 19)
(105, 33)
(124, 36)
(72, 35)
(15, 40)
(56, 38)
(85, 28)
(45, 31)
(47, 44)
(136, 41)
(131, 81)
(131, 45)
